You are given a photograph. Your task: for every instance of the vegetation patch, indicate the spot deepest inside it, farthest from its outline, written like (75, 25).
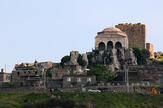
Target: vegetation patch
(102, 73)
(80, 100)
(141, 55)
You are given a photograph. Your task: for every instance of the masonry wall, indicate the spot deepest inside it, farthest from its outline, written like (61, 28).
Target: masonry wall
(150, 47)
(136, 34)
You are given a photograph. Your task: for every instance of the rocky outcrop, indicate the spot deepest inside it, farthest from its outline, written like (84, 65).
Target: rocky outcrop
(74, 58)
(115, 59)
(84, 58)
(112, 57)
(130, 57)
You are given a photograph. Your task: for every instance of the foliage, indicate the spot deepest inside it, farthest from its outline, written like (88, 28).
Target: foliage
(96, 52)
(11, 84)
(65, 59)
(80, 100)
(49, 72)
(90, 63)
(160, 62)
(141, 55)
(114, 100)
(102, 73)
(81, 61)
(106, 57)
(31, 68)
(16, 100)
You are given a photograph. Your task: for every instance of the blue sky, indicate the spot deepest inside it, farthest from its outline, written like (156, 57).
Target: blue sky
(47, 30)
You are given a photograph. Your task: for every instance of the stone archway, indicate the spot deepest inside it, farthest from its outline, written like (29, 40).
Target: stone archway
(101, 46)
(110, 45)
(118, 45)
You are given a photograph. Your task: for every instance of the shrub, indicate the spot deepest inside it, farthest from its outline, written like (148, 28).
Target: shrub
(81, 61)
(49, 72)
(141, 55)
(65, 59)
(102, 73)
(54, 103)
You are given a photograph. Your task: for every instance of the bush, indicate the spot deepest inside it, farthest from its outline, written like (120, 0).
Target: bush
(81, 61)
(55, 103)
(106, 58)
(141, 55)
(65, 59)
(160, 62)
(102, 73)
(49, 72)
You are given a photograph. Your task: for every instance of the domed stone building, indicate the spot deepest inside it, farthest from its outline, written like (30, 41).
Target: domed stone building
(111, 38)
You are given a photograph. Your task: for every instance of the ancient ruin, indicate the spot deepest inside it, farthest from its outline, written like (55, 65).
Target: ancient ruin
(113, 49)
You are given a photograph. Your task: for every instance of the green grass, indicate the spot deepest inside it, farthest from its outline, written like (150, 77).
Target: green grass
(15, 100)
(94, 100)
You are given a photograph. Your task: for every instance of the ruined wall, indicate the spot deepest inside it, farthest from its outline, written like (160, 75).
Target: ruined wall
(136, 34)
(150, 47)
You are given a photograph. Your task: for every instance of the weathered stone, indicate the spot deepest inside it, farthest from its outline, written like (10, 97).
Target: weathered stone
(150, 48)
(136, 34)
(74, 58)
(84, 58)
(115, 59)
(109, 38)
(130, 57)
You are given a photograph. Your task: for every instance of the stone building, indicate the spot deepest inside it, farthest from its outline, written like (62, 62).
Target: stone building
(115, 43)
(111, 38)
(4, 77)
(136, 34)
(58, 73)
(145, 73)
(30, 71)
(78, 81)
(150, 47)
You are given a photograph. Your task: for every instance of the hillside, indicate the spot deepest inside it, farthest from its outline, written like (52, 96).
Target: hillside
(80, 100)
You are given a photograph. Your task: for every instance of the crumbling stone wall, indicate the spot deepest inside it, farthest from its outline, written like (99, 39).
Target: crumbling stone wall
(136, 34)
(149, 47)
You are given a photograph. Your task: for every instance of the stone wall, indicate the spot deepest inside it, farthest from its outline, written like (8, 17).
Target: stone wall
(5, 77)
(136, 34)
(150, 73)
(150, 47)
(78, 81)
(122, 40)
(58, 73)
(22, 75)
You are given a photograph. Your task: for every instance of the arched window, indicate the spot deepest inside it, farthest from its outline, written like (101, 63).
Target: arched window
(110, 45)
(118, 45)
(101, 46)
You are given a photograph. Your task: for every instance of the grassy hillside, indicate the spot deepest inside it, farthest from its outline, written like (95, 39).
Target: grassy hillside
(80, 100)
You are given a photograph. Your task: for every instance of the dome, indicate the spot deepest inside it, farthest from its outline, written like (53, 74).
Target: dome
(111, 32)
(112, 29)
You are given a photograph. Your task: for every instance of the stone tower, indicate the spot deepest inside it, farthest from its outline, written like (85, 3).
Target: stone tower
(136, 34)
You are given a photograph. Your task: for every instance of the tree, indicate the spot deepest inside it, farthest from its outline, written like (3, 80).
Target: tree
(49, 72)
(65, 59)
(81, 61)
(141, 55)
(102, 73)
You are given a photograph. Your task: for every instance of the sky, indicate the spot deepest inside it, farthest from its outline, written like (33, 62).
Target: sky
(47, 30)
